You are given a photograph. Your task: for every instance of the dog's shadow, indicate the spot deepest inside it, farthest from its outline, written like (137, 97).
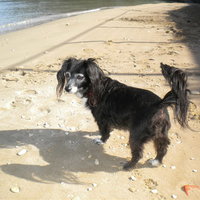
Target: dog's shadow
(61, 156)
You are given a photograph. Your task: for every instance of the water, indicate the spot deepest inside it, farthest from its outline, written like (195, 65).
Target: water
(18, 14)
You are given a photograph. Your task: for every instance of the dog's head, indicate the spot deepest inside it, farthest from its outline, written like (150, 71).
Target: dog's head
(79, 77)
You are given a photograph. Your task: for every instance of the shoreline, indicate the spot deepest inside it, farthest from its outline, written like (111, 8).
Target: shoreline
(20, 22)
(21, 25)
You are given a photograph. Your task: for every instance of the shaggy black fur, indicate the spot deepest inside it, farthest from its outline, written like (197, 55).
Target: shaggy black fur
(116, 105)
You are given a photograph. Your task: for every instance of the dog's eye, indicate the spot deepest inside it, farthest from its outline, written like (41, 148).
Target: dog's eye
(80, 77)
(67, 75)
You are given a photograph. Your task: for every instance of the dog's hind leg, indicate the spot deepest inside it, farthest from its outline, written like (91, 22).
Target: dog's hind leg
(161, 141)
(161, 145)
(137, 152)
(158, 128)
(137, 145)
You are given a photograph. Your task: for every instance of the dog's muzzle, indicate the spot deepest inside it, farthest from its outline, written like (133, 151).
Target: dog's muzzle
(71, 89)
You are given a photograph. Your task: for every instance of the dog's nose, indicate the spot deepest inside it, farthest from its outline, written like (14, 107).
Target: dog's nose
(68, 88)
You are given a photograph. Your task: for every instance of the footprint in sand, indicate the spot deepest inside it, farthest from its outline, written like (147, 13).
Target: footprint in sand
(45, 110)
(30, 92)
(10, 79)
(20, 101)
(150, 183)
(23, 98)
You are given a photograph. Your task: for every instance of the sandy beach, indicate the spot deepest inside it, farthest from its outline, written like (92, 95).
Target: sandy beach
(47, 149)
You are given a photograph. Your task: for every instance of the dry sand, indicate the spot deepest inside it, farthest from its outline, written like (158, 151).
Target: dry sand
(60, 160)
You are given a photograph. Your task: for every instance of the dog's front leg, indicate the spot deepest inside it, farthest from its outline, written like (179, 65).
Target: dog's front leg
(105, 133)
(98, 141)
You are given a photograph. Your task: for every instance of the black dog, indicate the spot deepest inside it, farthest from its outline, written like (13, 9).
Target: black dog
(116, 105)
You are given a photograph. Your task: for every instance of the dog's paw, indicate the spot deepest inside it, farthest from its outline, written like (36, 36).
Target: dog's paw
(129, 166)
(98, 141)
(154, 162)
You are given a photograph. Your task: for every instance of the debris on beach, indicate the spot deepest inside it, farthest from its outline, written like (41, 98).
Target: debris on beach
(63, 183)
(132, 178)
(96, 162)
(22, 152)
(90, 156)
(15, 189)
(94, 184)
(174, 196)
(66, 133)
(154, 191)
(89, 189)
(173, 167)
(186, 188)
(194, 170)
(46, 125)
(132, 189)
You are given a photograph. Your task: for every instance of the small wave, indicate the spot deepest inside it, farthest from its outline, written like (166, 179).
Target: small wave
(40, 20)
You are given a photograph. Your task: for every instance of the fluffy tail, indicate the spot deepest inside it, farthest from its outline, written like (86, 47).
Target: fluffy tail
(178, 96)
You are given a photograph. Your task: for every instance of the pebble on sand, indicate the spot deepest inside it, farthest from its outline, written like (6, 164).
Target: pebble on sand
(22, 152)
(194, 170)
(132, 189)
(66, 133)
(96, 162)
(15, 189)
(46, 125)
(89, 189)
(174, 196)
(154, 191)
(90, 156)
(132, 178)
(94, 184)
(173, 167)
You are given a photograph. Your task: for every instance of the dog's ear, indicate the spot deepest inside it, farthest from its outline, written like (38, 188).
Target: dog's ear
(61, 75)
(96, 77)
(94, 72)
(61, 83)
